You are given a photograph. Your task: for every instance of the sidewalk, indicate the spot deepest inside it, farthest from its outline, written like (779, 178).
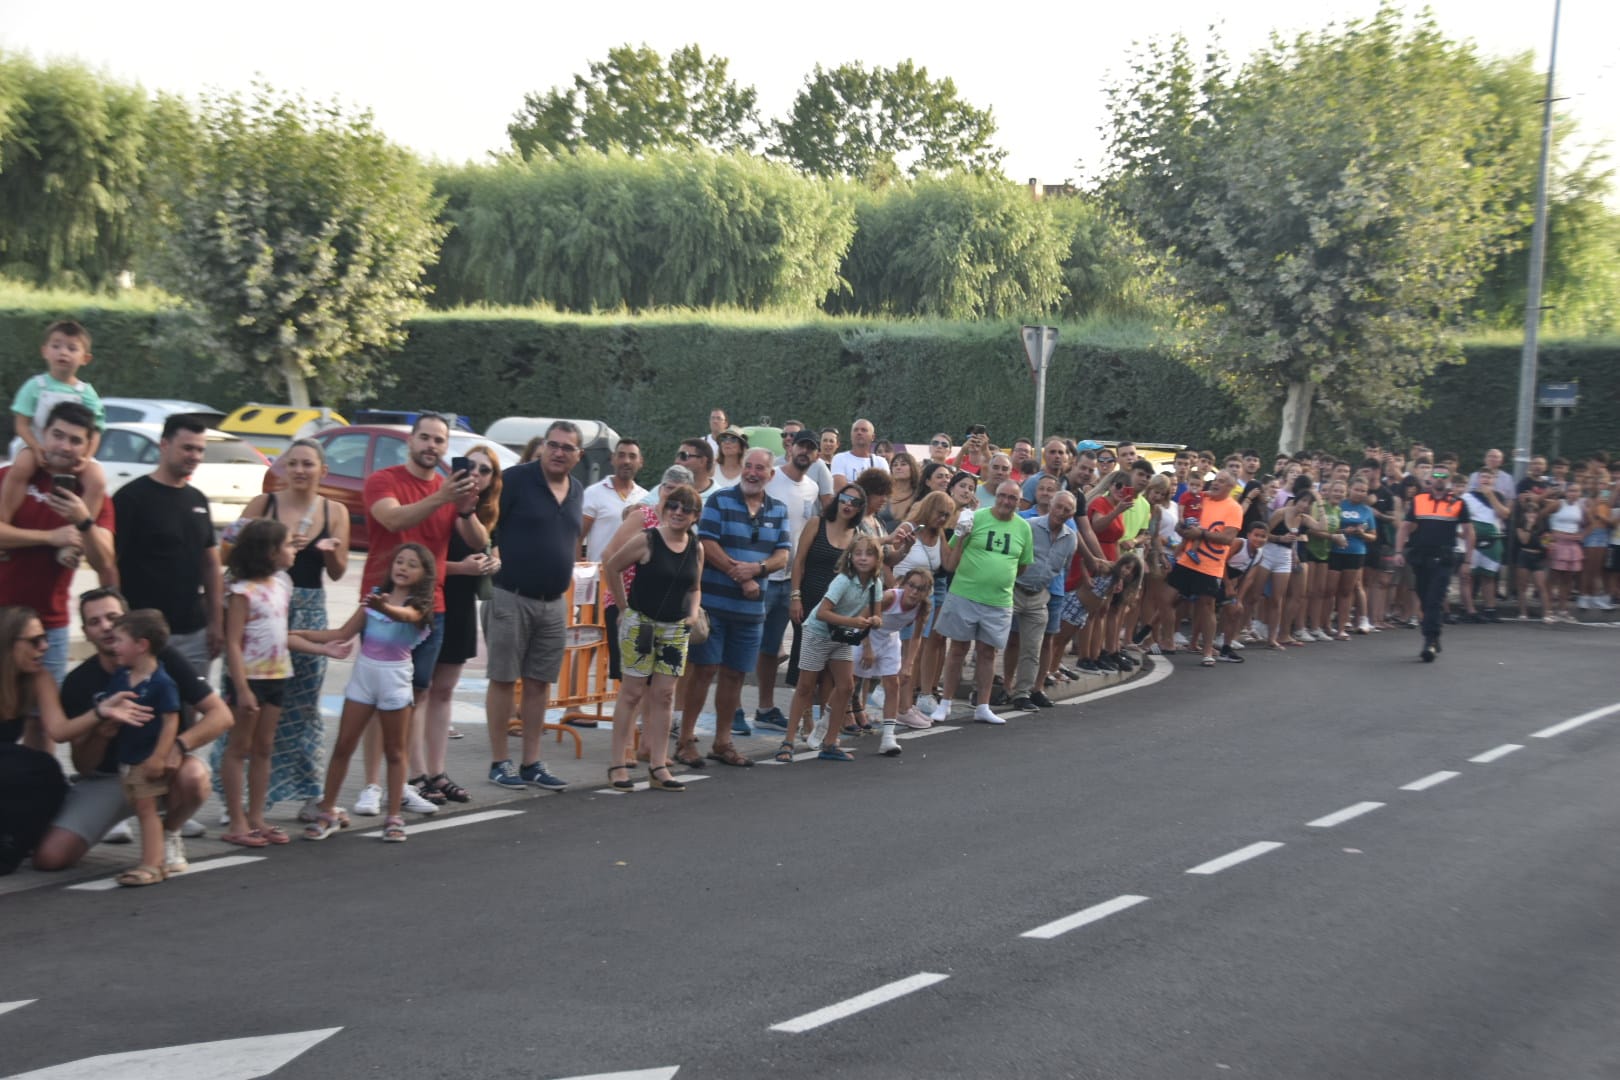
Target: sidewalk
(468, 759)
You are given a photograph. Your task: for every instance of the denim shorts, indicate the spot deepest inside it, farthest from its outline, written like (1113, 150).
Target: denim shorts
(1054, 613)
(426, 655)
(778, 600)
(731, 643)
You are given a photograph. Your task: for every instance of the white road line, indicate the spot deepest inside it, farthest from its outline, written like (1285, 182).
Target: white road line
(222, 863)
(1339, 817)
(230, 1059)
(859, 1003)
(1232, 858)
(1575, 722)
(1162, 669)
(642, 785)
(1081, 918)
(9, 1006)
(923, 733)
(1491, 755)
(452, 822)
(1427, 782)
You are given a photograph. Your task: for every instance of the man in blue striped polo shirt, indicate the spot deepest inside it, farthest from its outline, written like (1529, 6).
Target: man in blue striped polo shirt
(745, 539)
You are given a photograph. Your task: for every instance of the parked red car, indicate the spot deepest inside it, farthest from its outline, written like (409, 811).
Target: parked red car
(356, 451)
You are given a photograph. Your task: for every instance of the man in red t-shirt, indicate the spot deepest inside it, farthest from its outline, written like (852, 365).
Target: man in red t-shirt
(1200, 571)
(412, 503)
(42, 543)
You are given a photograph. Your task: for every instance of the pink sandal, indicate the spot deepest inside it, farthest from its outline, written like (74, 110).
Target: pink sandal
(272, 834)
(247, 839)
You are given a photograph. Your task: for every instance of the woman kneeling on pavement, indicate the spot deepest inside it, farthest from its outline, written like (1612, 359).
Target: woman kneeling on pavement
(655, 621)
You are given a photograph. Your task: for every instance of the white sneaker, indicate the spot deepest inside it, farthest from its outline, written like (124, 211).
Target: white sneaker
(1220, 642)
(1258, 628)
(1364, 626)
(412, 800)
(1303, 638)
(191, 828)
(942, 711)
(1583, 602)
(1603, 603)
(1180, 640)
(926, 704)
(369, 804)
(224, 819)
(1238, 646)
(1320, 635)
(174, 853)
(983, 715)
(120, 833)
(890, 746)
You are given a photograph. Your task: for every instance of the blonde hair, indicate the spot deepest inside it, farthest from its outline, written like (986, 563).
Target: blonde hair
(846, 561)
(924, 509)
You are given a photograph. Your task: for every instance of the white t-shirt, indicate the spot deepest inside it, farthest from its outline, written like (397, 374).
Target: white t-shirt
(847, 465)
(603, 505)
(803, 502)
(1169, 518)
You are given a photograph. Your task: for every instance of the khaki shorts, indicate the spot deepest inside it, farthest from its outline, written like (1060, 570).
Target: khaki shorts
(137, 786)
(523, 638)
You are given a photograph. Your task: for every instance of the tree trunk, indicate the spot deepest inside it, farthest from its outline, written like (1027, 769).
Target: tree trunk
(297, 386)
(1296, 417)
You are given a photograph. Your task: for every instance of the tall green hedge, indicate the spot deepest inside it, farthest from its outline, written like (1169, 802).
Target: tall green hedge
(658, 376)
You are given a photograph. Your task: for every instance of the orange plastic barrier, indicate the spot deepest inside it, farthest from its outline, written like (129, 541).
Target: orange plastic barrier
(583, 686)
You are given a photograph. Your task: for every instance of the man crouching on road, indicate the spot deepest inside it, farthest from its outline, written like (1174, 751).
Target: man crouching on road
(96, 802)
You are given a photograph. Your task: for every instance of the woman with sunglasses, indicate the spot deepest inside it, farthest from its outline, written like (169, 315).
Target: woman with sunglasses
(656, 614)
(815, 565)
(31, 784)
(963, 488)
(467, 572)
(939, 449)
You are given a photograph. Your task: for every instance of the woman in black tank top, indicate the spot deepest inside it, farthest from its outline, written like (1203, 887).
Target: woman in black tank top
(655, 621)
(31, 783)
(815, 559)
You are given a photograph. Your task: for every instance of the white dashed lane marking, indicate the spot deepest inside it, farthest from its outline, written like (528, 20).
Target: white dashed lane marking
(1492, 755)
(452, 822)
(222, 863)
(1339, 817)
(859, 1003)
(8, 1006)
(1081, 918)
(1575, 722)
(1232, 858)
(1427, 782)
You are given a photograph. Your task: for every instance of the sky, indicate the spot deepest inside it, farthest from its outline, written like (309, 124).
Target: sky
(445, 81)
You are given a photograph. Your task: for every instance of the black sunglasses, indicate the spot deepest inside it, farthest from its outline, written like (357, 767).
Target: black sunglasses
(38, 641)
(940, 442)
(671, 506)
(852, 500)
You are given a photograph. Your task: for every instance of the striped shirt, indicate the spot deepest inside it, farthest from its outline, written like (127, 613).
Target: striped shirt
(745, 537)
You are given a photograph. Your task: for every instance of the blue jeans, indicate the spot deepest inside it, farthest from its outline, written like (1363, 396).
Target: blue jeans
(426, 655)
(778, 601)
(56, 653)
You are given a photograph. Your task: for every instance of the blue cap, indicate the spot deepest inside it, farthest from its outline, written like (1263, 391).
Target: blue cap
(1087, 444)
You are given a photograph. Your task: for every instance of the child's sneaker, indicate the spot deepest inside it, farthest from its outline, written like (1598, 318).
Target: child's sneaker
(174, 854)
(369, 804)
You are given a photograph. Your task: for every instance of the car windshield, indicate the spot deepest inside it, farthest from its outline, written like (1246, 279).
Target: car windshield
(231, 452)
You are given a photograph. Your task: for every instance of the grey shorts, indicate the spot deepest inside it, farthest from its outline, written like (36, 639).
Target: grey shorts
(94, 805)
(816, 651)
(962, 619)
(524, 638)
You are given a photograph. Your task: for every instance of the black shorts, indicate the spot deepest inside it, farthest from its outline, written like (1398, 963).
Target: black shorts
(270, 692)
(1343, 560)
(1305, 555)
(610, 623)
(1191, 584)
(1530, 560)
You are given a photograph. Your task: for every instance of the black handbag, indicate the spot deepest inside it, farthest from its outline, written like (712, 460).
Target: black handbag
(849, 635)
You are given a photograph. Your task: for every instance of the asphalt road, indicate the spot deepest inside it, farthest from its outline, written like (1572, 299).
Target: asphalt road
(1467, 926)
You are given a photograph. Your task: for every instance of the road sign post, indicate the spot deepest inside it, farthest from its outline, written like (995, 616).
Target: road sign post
(1039, 344)
(1558, 396)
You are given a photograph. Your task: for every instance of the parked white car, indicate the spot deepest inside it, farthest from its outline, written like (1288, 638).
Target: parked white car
(136, 410)
(231, 474)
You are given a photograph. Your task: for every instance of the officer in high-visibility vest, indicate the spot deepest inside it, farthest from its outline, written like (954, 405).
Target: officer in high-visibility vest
(1428, 541)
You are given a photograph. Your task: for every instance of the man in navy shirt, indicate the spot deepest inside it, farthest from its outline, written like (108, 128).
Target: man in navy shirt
(526, 619)
(745, 539)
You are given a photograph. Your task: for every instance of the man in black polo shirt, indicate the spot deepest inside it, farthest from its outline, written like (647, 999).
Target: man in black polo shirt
(1428, 541)
(96, 801)
(525, 621)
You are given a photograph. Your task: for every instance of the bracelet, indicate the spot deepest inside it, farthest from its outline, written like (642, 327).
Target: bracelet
(795, 595)
(467, 515)
(182, 747)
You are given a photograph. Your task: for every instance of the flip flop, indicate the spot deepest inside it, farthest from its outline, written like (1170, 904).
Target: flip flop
(142, 875)
(247, 839)
(272, 834)
(728, 755)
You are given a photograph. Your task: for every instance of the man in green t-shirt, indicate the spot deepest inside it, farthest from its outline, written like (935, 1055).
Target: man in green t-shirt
(989, 549)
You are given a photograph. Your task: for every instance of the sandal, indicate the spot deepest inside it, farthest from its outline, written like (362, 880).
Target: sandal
(394, 830)
(424, 787)
(142, 875)
(626, 784)
(692, 760)
(325, 825)
(784, 754)
(668, 783)
(1208, 661)
(728, 755)
(835, 753)
(246, 839)
(273, 834)
(443, 786)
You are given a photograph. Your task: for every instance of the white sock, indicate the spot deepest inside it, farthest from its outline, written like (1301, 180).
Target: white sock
(983, 713)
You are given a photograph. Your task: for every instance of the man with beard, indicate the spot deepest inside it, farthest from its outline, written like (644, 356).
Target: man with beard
(606, 502)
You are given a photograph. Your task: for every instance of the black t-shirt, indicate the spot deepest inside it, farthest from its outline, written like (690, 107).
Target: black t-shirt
(537, 535)
(1383, 498)
(163, 532)
(84, 682)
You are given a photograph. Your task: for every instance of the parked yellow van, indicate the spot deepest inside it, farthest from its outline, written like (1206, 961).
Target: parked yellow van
(272, 428)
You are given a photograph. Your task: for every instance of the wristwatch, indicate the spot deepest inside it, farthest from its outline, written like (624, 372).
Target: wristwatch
(466, 515)
(86, 525)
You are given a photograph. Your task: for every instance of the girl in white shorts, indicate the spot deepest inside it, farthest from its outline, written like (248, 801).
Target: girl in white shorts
(394, 618)
(883, 655)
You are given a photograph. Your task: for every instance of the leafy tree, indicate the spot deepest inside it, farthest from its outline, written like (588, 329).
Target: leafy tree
(298, 235)
(1326, 211)
(72, 163)
(1105, 271)
(633, 102)
(962, 246)
(871, 125)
